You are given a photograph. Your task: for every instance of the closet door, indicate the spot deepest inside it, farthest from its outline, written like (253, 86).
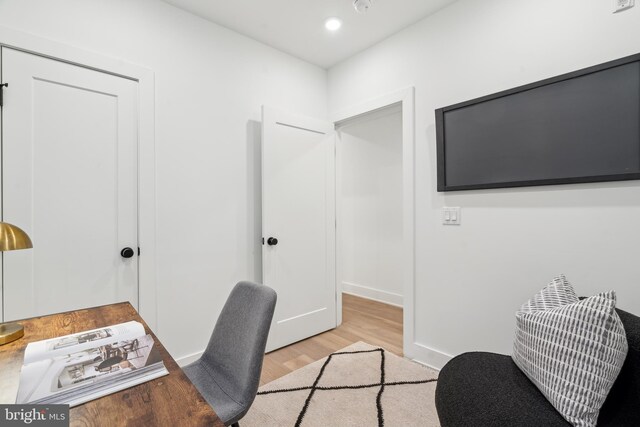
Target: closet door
(69, 178)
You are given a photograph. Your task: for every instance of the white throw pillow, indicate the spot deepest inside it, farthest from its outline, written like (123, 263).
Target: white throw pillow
(571, 350)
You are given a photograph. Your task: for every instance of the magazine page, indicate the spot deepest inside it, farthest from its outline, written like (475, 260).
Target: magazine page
(84, 369)
(121, 385)
(58, 346)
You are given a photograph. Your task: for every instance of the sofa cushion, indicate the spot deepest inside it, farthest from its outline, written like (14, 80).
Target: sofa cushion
(489, 390)
(571, 350)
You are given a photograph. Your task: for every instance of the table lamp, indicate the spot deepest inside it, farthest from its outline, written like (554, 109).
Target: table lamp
(12, 238)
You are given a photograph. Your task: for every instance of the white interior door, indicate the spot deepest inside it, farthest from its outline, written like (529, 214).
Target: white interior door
(69, 178)
(298, 209)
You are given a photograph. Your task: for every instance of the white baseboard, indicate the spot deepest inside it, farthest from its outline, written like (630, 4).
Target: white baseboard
(372, 294)
(189, 358)
(429, 357)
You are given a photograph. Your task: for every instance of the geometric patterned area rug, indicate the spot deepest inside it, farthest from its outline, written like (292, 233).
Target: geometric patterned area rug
(360, 385)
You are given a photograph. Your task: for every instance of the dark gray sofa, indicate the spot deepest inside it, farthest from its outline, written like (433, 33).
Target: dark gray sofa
(487, 389)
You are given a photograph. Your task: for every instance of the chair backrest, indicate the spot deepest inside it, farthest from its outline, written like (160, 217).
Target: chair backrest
(622, 407)
(236, 349)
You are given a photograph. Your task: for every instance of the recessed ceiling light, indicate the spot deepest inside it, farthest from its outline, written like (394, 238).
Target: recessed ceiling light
(333, 24)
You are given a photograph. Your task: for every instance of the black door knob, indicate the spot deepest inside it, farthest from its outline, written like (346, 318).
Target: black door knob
(127, 253)
(272, 241)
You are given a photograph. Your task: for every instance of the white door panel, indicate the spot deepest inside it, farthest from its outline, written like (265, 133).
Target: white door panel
(299, 210)
(70, 181)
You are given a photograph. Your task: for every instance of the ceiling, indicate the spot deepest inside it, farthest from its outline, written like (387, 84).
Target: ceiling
(297, 26)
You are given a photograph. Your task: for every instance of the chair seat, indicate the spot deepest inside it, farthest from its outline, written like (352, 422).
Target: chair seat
(227, 409)
(488, 389)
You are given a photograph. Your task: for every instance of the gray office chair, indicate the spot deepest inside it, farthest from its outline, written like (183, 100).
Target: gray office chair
(228, 373)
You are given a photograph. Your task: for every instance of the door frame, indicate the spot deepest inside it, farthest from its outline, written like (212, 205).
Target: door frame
(18, 40)
(406, 98)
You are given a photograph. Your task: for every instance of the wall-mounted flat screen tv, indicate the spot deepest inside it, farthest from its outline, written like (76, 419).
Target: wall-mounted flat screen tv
(579, 127)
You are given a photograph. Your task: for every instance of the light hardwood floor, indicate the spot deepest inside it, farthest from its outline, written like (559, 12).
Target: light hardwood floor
(362, 320)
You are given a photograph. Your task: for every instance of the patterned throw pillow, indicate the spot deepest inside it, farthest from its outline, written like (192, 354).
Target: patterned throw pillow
(571, 349)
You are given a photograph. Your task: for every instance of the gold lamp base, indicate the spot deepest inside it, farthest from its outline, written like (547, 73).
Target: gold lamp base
(10, 332)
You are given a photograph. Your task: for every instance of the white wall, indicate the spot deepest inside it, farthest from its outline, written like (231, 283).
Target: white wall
(470, 279)
(369, 150)
(210, 85)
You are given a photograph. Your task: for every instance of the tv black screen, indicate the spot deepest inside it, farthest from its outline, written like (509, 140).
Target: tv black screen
(579, 127)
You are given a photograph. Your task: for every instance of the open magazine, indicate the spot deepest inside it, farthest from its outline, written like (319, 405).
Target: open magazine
(77, 368)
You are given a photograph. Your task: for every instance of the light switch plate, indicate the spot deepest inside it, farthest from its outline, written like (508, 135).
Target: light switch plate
(620, 5)
(450, 216)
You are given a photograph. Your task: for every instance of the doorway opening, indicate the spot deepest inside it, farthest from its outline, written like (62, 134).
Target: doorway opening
(379, 254)
(369, 213)
(365, 319)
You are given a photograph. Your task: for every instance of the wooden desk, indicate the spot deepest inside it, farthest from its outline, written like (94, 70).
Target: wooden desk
(171, 400)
